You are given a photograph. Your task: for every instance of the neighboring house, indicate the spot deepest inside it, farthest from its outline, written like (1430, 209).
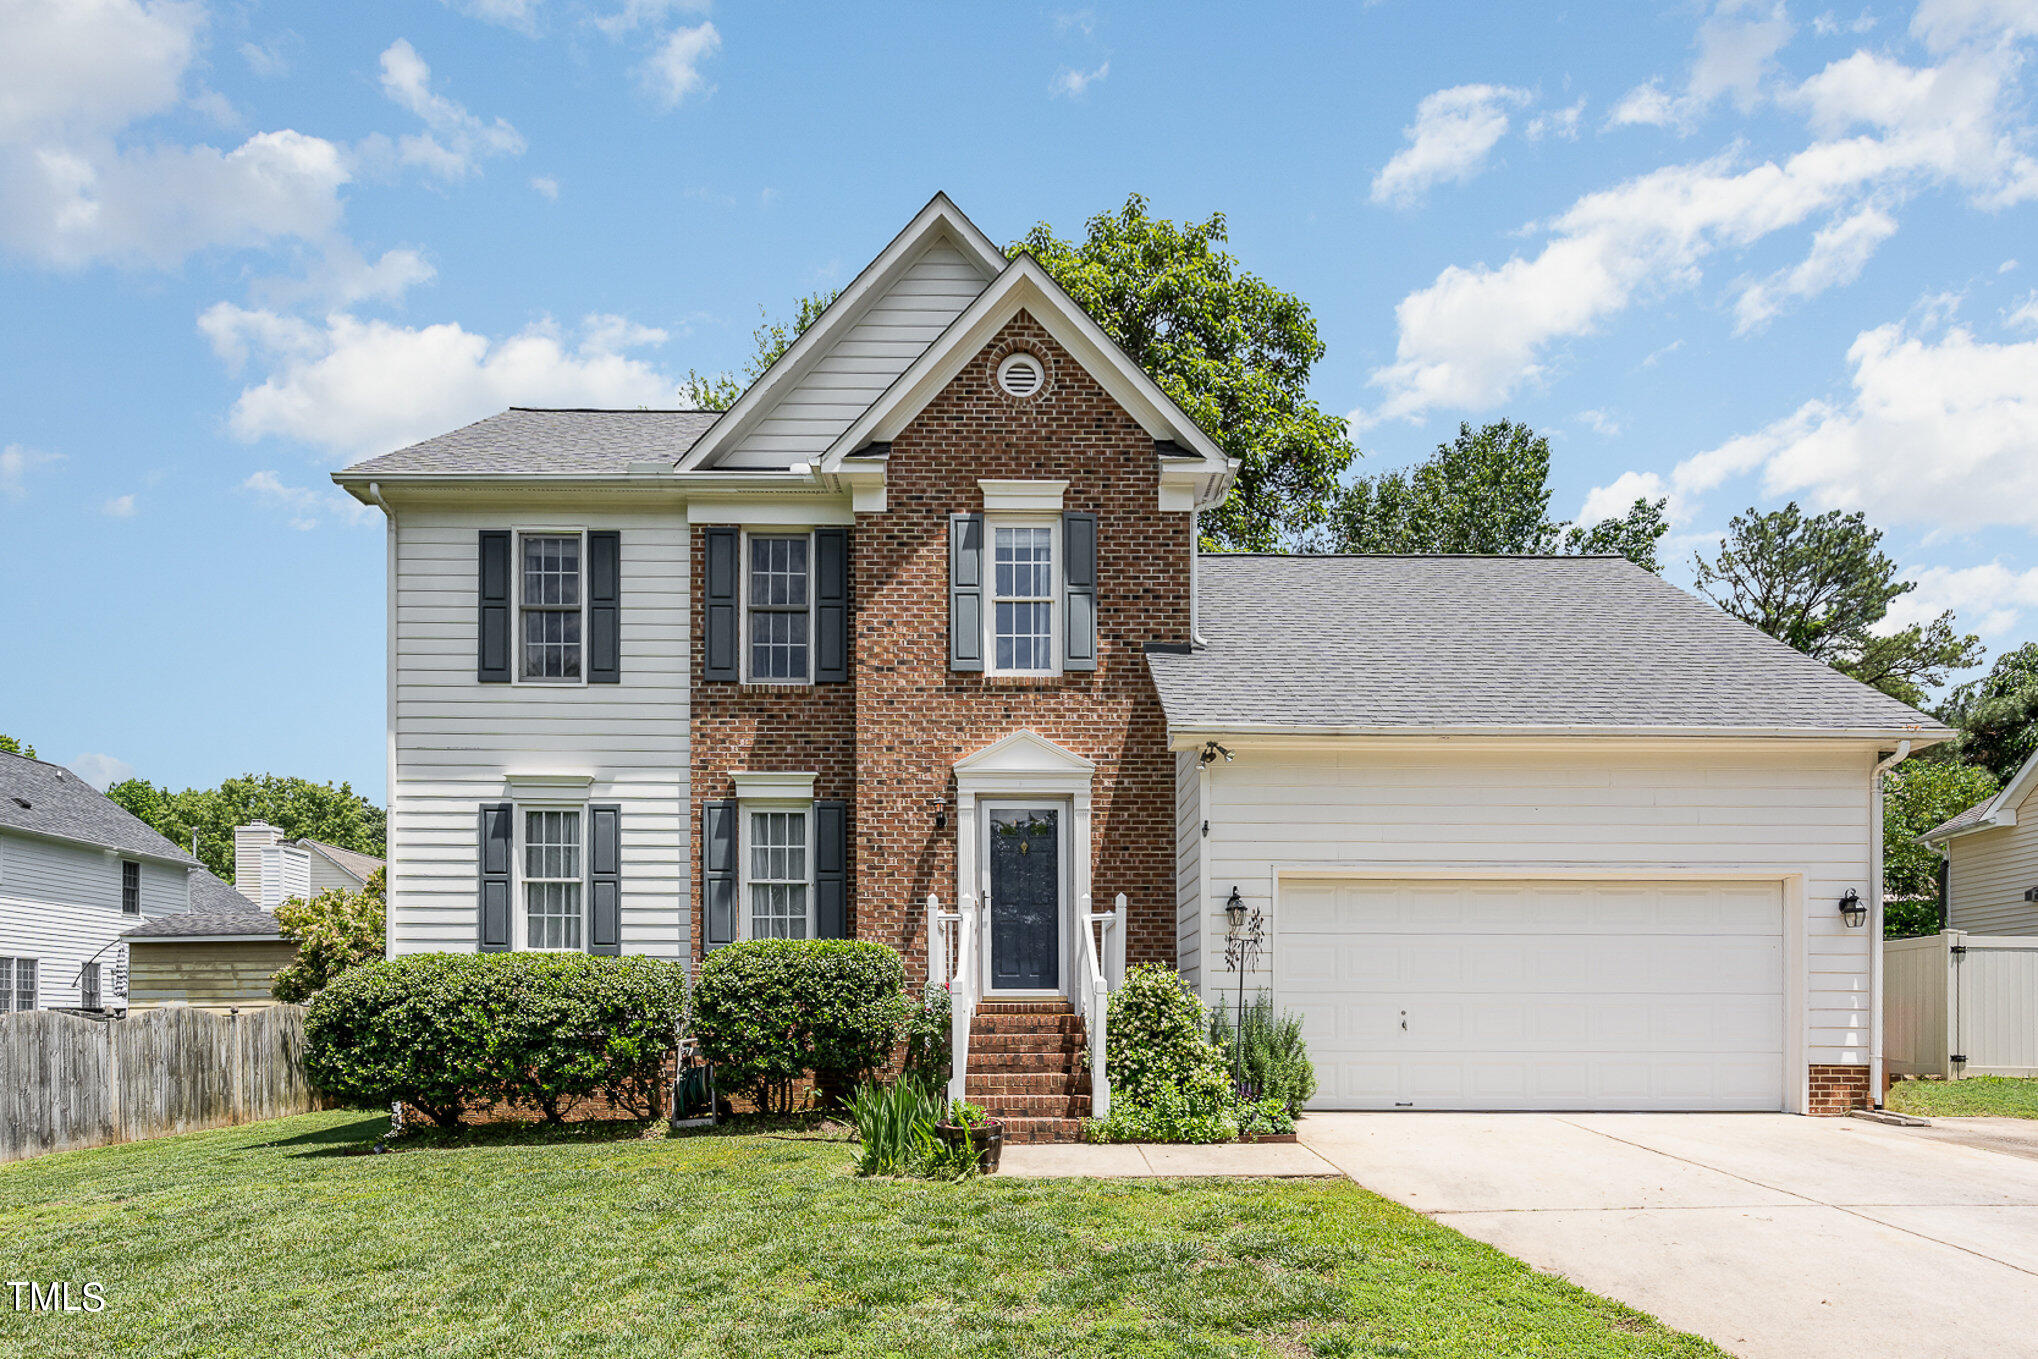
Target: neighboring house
(1991, 854)
(270, 869)
(76, 872)
(922, 614)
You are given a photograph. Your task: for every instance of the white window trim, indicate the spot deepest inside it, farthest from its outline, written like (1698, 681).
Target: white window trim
(86, 1000)
(743, 614)
(517, 537)
(137, 887)
(7, 997)
(520, 923)
(1004, 497)
(744, 807)
(1052, 523)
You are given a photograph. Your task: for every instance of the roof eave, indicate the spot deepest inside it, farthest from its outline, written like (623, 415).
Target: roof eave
(1185, 734)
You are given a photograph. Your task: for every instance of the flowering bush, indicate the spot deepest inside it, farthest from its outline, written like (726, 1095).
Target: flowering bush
(335, 930)
(1159, 1043)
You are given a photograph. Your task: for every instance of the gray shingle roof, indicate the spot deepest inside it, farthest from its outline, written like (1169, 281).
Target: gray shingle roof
(197, 924)
(214, 896)
(526, 440)
(60, 803)
(353, 860)
(1962, 821)
(1491, 642)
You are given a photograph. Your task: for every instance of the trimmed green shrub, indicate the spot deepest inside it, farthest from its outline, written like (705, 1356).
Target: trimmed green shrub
(441, 1030)
(771, 1011)
(1159, 1043)
(1265, 1116)
(1164, 1116)
(1276, 1059)
(930, 1050)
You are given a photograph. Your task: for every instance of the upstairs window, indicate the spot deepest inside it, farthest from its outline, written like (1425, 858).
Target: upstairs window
(130, 887)
(1022, 599)
(551, 607)
(780, 614)
(88, 987)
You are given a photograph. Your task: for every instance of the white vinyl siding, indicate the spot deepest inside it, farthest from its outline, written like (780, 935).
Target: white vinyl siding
(1991, 871)
(457, 740)
(1787, 807)
(1188, 864)
(843, 383)
(60, 904)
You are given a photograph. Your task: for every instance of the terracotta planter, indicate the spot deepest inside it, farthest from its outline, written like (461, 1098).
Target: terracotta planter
(988, 1137)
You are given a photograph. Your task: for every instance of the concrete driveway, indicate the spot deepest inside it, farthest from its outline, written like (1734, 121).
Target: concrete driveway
(1768, 1234)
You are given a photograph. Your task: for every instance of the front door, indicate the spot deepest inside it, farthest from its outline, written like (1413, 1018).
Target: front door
(1024, 855)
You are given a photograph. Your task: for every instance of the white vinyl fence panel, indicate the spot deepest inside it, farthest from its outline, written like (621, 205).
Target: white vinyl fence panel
(1957, 1004)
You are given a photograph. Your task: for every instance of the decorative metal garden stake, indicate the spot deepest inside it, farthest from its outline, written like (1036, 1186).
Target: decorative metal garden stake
(1244, 938)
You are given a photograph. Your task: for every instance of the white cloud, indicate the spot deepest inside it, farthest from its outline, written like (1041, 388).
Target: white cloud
(1938, 433)
(2025, 313)
(636, 14)
(454, 140)
(521, 15)
(1736, 58)
(1081, 23)
(101, 771)
(1990, 599)
(91, 66)
(1600, 423)
(356, 387)
(270, 60)
(119, 507)
(1645, 106)
(16, 462)
(1618, 497)
(1070, 83)
(1561, 122)
(1453, 131)
(1829, 24)
(545, 187)
(673, 71)
(305, 507)
(1945, 24)
(1840, 251)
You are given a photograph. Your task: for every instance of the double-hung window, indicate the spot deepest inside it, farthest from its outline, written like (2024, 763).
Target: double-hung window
(552, 878)
(88, 987)
(17, 983)
(780, 611)
(551, 606)
(130, 887)
(1021, 616)
(779, 862)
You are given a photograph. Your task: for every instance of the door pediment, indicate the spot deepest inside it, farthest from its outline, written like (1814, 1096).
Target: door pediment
(1024, 761)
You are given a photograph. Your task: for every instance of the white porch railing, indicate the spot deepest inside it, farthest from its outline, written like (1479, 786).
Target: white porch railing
(1102, 966)
(952, 943)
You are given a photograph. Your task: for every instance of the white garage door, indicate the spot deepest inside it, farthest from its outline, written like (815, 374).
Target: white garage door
(1536, 995)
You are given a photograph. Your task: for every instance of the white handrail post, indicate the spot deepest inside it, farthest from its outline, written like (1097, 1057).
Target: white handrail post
(962, 996)
(1114, 944)
(937, 944)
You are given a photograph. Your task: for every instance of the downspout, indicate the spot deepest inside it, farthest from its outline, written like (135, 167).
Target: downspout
(1195, 589)
(389, 666)
(1903, 750)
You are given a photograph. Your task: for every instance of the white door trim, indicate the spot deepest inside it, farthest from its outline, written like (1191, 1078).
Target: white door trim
(1063, 808)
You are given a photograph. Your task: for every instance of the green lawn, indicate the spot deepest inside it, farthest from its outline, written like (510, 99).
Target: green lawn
(1975, 1097)
(266, 1241)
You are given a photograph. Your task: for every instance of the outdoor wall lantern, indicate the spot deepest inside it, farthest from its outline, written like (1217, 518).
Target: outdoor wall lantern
(1234, 913)
(1853, 910)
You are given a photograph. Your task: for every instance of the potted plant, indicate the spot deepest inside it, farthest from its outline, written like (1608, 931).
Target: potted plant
(967, 1127)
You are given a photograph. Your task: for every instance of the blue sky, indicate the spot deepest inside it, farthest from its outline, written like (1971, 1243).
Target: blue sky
(1734, 254)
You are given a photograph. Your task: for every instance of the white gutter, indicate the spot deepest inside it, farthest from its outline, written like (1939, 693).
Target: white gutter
(1184, 736)
(1902, 751)
(389, 649)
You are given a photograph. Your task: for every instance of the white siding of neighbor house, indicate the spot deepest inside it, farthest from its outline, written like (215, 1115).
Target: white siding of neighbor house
(1991, 871)
(863, 361)
(326, 876)
(457, 739)
(1188, 866)
(60, 905)
(1791, 807)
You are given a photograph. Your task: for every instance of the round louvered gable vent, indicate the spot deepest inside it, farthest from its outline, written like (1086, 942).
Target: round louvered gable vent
(1021, 375)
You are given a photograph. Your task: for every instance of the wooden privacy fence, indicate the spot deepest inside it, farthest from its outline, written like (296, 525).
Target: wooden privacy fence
(67, 1081)
(1958, 1004)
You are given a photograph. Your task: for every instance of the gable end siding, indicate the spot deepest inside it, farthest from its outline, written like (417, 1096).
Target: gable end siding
(1992, 869)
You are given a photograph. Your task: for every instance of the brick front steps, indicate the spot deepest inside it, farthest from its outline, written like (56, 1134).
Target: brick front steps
(1025, 1067)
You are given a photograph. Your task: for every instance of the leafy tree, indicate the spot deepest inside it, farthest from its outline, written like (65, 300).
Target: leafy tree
(298, 807)
(14, 747)
(1916, 796)
(1998, 714)
(335, 930)
(1487, 491)
(1231, 349)
(1821, 584)
(719, 391)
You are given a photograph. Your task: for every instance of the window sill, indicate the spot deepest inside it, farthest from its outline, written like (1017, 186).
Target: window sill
(780, 687)
(1031, 681)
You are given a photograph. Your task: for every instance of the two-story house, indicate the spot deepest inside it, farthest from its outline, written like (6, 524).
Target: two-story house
(77, 873)
(922, 614)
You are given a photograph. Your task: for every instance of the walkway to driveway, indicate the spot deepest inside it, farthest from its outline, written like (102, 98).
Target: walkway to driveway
(1144, 1160)
(1768, 1234)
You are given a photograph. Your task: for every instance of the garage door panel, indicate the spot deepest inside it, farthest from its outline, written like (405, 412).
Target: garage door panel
(1544, 995)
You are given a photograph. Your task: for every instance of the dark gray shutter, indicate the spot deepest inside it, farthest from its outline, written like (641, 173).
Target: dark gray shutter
(492, 629)
(831, 606)
(965, 592)
(724, 545)
(498, 821)
(718, 871)
(605, 880)
(831, 869)
(605, 607)
(1079, 591)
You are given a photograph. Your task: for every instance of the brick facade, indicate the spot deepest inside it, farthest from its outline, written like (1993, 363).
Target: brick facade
(889, 739)
(1838, 1089)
